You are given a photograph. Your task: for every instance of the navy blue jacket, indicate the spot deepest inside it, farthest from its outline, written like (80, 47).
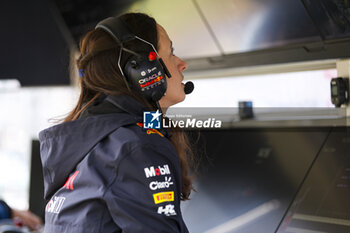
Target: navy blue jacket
(105, 173)
(5, 210)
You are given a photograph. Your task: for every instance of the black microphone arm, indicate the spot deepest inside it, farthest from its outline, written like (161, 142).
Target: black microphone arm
(189, 86)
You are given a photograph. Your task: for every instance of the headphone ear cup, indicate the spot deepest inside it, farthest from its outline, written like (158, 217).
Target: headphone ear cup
(146, 77)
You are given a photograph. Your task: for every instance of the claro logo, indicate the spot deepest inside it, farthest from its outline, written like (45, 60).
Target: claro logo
(159, 171)
(154, 185)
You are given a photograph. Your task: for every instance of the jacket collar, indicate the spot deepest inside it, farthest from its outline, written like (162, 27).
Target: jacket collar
(134, 108)
(128, 104)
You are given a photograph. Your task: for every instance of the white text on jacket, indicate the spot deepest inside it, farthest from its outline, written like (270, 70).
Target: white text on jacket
(167, 210)
(154, 185)
(159, 171)
(55, 205)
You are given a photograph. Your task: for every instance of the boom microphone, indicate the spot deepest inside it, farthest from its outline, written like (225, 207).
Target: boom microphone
(188, 87)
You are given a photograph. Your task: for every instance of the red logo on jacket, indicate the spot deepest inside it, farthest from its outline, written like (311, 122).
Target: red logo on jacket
(70, 180)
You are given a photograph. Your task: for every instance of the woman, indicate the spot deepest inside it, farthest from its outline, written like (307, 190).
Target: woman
(103, 171)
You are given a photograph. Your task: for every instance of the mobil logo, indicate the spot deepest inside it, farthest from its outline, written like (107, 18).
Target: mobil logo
(157, 171)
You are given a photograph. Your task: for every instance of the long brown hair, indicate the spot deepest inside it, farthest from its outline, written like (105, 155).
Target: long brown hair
(98, 60)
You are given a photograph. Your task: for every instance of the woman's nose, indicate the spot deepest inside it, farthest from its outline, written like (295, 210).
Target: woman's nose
(182, 65)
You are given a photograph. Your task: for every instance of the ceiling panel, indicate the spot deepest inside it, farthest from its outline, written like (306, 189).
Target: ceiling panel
(184, 26)
(242, 26)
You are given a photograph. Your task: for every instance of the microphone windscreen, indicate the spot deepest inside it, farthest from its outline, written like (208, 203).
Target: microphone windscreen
(189, 86)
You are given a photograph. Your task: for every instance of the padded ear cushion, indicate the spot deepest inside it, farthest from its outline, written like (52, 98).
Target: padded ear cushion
(146, 77)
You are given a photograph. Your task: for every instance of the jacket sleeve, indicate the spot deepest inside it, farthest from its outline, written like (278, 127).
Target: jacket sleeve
(5, 210)
(145, 196)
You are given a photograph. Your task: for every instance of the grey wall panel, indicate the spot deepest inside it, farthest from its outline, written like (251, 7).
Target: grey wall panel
(322, 204)
(250, 174)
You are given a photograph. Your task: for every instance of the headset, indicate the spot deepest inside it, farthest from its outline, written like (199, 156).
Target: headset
(143, 72)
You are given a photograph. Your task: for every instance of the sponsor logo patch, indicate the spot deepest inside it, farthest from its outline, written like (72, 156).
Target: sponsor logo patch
(163, 197)
(70, 180)
(159, 171)
(55, 205)
(167, 210)
(154, 185)
(150, 131)
(151, 81)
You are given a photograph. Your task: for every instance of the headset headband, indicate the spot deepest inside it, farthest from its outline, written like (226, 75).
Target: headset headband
(117, 29)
